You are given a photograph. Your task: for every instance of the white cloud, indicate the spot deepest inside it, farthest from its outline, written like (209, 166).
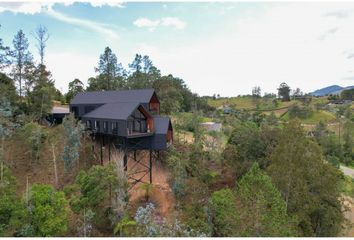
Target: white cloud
(172, 21)
(98, 27)
(151, 25)
(109, 4)
(25, 7)
(280, 44)
(145, 22)
(41, 6)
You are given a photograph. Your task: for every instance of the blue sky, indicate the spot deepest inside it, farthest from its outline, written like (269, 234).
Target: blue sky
(224, 48)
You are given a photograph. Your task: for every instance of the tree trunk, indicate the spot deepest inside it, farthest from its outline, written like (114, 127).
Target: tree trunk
(27, 190)
(55, 165)
(2, 160)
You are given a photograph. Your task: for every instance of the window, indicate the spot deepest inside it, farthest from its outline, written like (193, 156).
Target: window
(105, 126)
(88, 124)
(115, 127)
(97, 125)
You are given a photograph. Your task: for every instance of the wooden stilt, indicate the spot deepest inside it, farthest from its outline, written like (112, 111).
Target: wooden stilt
(150, 166)
(101, 150)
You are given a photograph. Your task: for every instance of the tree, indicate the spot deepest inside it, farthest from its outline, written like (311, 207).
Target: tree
(222, 206)
(248, 144)
(308, 184)
(110, 71)
(261, 209)
(8, 89)
(256, 92)
(136, 64)
(8, 200)
(42, 36)
(143, 74)
(44, 214)
(100, 190)
(75, 87)
(4, 55)
(34, 136)
(347, 94)
(73, 131)
(42, 95)
(348, 141)
(284, 92)
(171, 98)
(6, 129)
(21, 56)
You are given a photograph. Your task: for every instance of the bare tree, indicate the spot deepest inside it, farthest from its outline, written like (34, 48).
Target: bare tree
(42, 36)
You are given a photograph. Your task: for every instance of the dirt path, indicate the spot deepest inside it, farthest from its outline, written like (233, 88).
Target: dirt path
(347, 171)
(161, 194)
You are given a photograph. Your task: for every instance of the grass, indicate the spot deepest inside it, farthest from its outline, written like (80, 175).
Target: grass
(348, 186)
(316, 117)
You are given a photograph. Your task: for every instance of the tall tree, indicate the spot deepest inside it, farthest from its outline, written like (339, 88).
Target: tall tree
(136, 65)
(4, 55)
(284, 92)
(75, 87)
(143, 73)
(21, 56)
(222, 205)
(110, 71)
(309, 185)
(43, 93)
(73, 132)
(261, 207)
(42, 36)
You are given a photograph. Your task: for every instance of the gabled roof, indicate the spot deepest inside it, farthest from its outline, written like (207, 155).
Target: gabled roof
(161, 124)
(101, 97)
(117, 111)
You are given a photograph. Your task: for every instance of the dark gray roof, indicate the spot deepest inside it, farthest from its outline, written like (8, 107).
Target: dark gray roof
(99, 97)
(161, 124)
(118, 111)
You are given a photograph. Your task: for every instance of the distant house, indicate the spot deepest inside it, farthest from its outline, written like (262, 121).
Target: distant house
(212, 126)
(227, 110)
(57, 114)
(339, 102)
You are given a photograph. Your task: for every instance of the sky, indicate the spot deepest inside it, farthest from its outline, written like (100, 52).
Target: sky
(221, 48)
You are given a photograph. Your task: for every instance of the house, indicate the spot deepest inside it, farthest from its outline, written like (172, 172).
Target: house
(125, 114)
(57, 114)
(129, 120)
(211, 126)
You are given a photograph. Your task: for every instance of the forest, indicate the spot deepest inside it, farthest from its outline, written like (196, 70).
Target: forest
(274, 169)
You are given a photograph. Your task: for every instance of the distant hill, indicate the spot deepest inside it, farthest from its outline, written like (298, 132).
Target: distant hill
(334, 89)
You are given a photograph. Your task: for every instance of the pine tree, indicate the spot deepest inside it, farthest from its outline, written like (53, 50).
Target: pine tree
(22, 57)
(262, 209)
(110, 73)
(308, 184)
